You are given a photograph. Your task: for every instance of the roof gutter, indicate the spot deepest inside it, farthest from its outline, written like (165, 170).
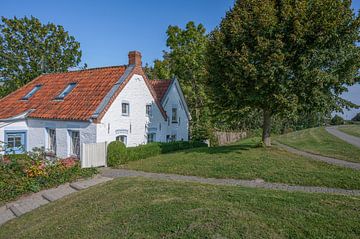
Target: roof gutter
(21, 116)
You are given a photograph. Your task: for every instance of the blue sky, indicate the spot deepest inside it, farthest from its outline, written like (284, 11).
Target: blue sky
(108, 30)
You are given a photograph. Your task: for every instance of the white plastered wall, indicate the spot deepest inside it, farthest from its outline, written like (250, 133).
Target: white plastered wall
(137, 124)
(36, 133)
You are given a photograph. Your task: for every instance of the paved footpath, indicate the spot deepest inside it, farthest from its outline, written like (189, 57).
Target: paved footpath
(35, 200)
(347, 138)
(338, 162)
(257, 183)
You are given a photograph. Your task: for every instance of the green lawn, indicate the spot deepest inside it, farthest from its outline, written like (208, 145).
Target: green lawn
(350, 129)
(319, 141)
(246, 161)
(139, 208)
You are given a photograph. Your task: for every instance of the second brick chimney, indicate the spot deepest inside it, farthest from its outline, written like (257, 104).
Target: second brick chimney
(135, 58)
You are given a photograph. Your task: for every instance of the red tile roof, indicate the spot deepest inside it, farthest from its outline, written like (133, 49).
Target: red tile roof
(160, 87)
(92, 85)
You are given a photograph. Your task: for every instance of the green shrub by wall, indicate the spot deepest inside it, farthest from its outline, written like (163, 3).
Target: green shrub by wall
(118, 154)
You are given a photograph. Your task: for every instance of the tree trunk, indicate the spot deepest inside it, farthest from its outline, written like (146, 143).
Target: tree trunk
(266, 128)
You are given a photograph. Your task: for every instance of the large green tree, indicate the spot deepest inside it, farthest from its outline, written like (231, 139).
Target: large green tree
(283, 57)
(29, 48)
(185, 60)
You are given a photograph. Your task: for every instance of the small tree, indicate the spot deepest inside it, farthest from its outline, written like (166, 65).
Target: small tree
(29, 48)
(337, 120)
(284, 57)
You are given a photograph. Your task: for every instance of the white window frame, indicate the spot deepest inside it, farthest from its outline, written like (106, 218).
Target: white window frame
(71, 149)
(51, 142)
(122, 108)
(118, 138)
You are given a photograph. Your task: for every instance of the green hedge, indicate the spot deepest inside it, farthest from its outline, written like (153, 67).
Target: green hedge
(118, 154)
(116, 151)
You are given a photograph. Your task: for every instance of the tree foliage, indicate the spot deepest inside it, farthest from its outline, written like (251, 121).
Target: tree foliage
(284, 57)
(29, 48)
(337, 120)
(160, 70)
(185, 60)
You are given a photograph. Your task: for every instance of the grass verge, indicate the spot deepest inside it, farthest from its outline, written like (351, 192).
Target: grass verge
(353, 130)
(319, 141)
(245, 160)
(139, 208)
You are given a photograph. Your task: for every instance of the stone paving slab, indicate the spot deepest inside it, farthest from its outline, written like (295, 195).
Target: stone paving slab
(57, 193)
(27, 204)
(33, 201)
(5, 215)
(257, 183)
(83, 184)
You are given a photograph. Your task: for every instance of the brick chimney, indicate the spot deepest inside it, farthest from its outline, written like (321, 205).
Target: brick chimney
(135, 58)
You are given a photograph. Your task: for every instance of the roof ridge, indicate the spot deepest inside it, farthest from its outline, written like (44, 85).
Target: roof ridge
(87, 69)
(160, 79)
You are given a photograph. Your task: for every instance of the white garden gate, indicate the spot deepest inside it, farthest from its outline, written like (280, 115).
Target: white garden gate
(93, 155)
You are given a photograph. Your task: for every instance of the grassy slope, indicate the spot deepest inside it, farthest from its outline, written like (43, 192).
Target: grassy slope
(139, 208)
(245, 161)
(318, 141)
(350, 129)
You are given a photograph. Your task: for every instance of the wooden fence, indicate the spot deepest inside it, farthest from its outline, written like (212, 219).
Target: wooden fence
(93, 155)
(229, 137)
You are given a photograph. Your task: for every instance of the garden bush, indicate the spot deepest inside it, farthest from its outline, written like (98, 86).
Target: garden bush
(337, 120)
(21, 174)
(118, 155)
(116, 152)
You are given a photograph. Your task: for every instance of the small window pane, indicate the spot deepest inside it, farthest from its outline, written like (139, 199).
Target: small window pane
(52, 140)
(148, 110)
(174, 115)
(125, 108)
(10, 142)
(75, 143)
(18, 142)
(122, 138)
(151, 137)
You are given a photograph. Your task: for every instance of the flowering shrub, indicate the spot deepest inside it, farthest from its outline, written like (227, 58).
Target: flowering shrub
(69, 162)
(20, 174)
(36, 169)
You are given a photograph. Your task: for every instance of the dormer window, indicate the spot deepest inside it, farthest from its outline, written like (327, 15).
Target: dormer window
(66, 91)
(32, 92)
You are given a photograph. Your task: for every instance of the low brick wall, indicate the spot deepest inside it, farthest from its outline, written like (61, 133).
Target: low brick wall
(229, 137)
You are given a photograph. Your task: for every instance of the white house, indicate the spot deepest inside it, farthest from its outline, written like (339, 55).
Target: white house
(62, 111)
